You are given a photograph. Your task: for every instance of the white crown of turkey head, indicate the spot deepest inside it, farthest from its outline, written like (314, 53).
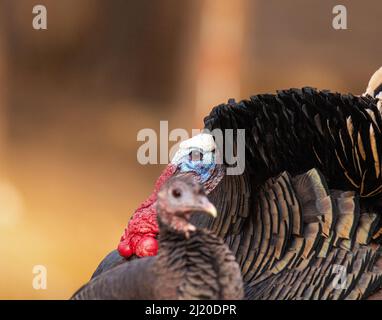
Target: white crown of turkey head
(374, 87)
(203, 142)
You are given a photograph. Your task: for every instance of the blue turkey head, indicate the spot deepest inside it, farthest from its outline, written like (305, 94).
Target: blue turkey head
(199, 156)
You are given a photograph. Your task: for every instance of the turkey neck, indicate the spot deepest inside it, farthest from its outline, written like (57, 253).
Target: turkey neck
(198, 267)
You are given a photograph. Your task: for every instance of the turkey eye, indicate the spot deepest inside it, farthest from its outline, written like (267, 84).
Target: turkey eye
(196, 155)
(176, 193)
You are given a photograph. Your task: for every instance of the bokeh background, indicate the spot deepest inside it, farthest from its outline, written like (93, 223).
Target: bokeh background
(73, 97)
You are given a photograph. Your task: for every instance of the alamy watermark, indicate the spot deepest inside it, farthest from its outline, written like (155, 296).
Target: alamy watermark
(228, 142)
(40, 19)
(40, 277)
(340, 20)
(340, 280)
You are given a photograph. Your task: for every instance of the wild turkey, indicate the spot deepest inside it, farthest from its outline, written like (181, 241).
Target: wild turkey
(192, 263)
(308, 202)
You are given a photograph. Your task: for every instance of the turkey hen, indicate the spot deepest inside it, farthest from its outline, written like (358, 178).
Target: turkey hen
(304, 217)
(191, 264)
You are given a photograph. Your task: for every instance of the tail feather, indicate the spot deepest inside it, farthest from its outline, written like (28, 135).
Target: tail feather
(374, 87)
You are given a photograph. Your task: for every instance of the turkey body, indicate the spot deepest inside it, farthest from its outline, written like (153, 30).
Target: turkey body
(191, 264)
(291, 228)
(304, 218)
(296, 237)
(201, 267)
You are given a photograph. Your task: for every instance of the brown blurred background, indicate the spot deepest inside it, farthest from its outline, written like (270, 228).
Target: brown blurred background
(73, 97)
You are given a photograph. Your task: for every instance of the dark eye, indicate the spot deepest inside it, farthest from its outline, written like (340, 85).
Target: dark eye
(196, 155)
(176, 193)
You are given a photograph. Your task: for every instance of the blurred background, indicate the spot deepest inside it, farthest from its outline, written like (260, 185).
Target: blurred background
(73, 97)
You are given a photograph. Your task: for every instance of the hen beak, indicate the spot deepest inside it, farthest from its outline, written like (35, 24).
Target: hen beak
(207, 207)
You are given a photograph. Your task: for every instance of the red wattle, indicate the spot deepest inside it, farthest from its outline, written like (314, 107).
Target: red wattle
(139, 236)
(124, 249)
(147, 246)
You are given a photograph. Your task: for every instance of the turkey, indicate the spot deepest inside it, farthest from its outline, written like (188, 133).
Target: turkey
(191, 264)
(304, 218)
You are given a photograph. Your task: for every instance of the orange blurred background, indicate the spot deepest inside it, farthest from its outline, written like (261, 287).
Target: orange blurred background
(73, 98)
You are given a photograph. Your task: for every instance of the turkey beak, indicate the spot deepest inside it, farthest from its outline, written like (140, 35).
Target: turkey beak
(206, 206)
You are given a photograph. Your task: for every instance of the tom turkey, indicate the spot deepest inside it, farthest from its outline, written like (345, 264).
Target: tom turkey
(307, 209)
(191, 264)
